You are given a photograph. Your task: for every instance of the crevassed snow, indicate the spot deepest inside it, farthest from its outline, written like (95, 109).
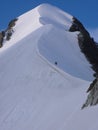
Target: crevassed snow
(35, 94)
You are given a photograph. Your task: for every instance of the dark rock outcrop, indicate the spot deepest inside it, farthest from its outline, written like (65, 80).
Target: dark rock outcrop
(6, 34)
(12, 23)
(90, 49)
(2, 35)
(9, 30)
(92, 98)
(9, 33)
(87, 44)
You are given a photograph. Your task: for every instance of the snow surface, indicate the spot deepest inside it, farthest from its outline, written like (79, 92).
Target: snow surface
(36, 94)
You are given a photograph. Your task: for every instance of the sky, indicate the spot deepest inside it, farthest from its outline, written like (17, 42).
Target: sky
(85, 10)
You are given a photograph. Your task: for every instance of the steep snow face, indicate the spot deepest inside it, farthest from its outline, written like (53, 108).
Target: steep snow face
(54, 16)
(56, 44)
(34, 94)
(26, 24)
(36, 18)
(61, 48)
(41, 83)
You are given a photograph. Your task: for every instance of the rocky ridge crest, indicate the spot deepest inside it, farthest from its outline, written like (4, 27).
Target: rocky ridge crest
(90, 49)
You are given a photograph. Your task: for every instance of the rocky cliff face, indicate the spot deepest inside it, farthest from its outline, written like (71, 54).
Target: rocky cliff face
(92, 98)
(87, 44)
(6, 34)
(90, 49)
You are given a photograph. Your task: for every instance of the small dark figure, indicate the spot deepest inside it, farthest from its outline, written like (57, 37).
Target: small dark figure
(56, 63)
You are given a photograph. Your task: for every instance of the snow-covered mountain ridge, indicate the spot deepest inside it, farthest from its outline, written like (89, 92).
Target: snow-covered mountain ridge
(44, 75)
(54, 28)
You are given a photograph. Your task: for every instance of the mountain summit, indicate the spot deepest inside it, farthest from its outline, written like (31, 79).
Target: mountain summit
(44, 72)
(54, 41)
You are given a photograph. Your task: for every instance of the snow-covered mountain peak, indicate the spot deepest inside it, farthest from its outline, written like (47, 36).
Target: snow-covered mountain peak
(42, 15)
(52, 15)
(54, 43)
(43, 74)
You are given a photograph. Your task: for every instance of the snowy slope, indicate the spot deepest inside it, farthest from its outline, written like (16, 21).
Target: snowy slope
(34, 92)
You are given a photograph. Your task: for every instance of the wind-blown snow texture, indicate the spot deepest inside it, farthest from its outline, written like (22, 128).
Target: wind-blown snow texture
(36, 93)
